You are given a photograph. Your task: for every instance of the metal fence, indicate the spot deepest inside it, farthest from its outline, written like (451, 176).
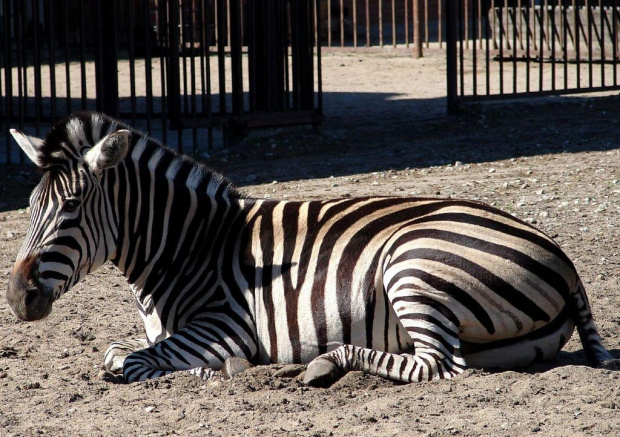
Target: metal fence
(531, 48)
(175, 68)
(405, 24)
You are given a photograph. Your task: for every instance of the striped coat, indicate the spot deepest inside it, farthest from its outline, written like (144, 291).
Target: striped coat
(405, 288)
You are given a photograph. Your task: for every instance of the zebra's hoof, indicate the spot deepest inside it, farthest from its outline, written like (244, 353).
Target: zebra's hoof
(322, 373)
(234, 366)
(114, 363)
(289, 371)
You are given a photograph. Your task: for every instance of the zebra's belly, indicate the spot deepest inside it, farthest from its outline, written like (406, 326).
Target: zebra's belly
(364, 322)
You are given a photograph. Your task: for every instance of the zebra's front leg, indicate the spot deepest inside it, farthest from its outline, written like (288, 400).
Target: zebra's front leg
(201, 348)
(425, 363)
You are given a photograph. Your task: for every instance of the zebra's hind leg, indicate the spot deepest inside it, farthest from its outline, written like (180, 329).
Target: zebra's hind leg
(436, 351)
(114, 357)
(425, 363)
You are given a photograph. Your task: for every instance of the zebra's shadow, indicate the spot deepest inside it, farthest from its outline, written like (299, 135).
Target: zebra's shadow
(562, 359)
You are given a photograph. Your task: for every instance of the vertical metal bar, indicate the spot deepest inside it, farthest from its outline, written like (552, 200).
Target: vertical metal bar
(183, 56)
(417, 30)
(460, 37)
(451, 54)
(541, 47)
(479, 18)
(192, 57)
(8, 79)
(341, 23)
(354, 22)
(528, 35)
(22, 70)
(487, 55)
(37, 66)
(221, 55)
(317, 34)
(440, 20)
(235, 57)
(207, 12)
(466, 22)
(288, 24)
(393, 23)
(68, 108)
(52, 58)
(107, 60)
(302, 53)
(552, 36)
(329, 23)
(602, 12)
(507, 11)
(590, 48)
(545, 23)
(174, 79)
(367, 23)
(501, 31)
(146, 16)
(514, 49)
(565, 38)
(228, 23)
(83, 85)
(426, 28)
(474, 47)
(519, 19)
(534, 28)
(614, 40)
(319, 71)
(406, 23)
(132, 62)
(380, 23)
(164, 52)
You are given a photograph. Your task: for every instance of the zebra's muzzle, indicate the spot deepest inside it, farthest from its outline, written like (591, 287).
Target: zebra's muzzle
(28, 300)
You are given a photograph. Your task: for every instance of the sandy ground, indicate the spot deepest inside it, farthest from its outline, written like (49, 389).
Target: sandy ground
(554, 164)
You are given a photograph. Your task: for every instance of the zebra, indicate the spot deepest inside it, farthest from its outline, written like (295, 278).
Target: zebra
(409, 289)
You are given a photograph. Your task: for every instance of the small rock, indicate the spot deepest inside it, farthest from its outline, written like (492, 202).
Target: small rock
(149, 409)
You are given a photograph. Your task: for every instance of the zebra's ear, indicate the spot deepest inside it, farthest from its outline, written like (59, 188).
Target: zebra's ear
(109, 151)
(30, 145)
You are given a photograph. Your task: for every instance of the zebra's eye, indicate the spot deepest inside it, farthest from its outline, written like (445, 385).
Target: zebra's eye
(70, 205)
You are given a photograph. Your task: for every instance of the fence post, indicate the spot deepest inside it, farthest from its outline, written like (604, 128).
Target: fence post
(417, 29)
(107, 61)
(302, 53)
(452, 10)
(266, 52)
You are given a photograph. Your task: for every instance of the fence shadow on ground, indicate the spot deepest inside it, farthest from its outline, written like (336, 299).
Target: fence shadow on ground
(386, 133)
(367, 132)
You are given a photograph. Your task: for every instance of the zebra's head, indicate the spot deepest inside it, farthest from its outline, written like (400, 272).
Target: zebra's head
(72, 227)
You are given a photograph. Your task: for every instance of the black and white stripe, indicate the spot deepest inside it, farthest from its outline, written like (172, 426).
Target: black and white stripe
(409, 289)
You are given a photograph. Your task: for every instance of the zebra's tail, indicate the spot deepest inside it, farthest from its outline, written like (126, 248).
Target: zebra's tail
(596, 353)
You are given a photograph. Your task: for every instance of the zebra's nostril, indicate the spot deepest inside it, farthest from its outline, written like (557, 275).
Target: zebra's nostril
(31, 296)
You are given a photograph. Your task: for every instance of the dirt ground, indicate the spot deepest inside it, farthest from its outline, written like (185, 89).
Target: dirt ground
(551, 163)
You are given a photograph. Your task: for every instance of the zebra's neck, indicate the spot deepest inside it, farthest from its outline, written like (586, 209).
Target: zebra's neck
(166, 205)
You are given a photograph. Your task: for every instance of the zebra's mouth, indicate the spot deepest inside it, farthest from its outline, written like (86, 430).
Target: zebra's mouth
(28, 303)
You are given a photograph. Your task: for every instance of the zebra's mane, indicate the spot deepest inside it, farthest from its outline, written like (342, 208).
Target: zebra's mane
(71, 138)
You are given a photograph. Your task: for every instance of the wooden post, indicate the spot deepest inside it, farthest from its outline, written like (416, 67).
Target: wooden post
(417, 29)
